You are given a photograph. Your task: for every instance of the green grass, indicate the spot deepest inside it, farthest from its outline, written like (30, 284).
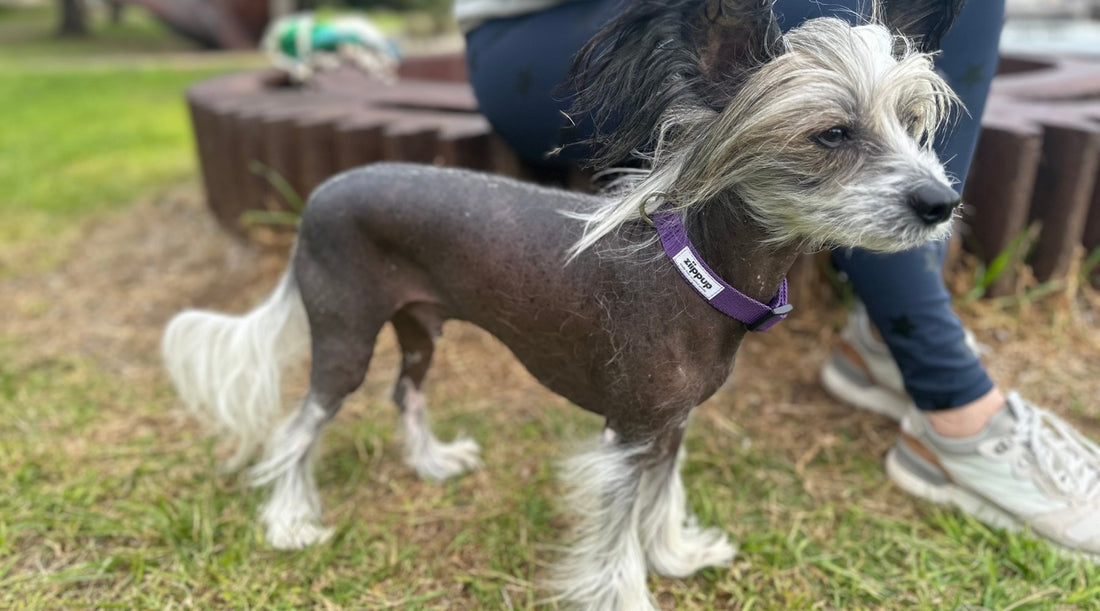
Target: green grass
(89, 125)
(137, 518)
(82, 142)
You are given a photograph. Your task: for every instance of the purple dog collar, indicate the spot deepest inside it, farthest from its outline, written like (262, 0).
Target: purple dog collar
(723, 297)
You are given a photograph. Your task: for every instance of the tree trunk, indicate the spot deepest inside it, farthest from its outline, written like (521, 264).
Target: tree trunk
(114, 8)
(73, 18)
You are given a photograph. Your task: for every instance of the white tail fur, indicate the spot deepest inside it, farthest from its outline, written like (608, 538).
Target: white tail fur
(227, 368)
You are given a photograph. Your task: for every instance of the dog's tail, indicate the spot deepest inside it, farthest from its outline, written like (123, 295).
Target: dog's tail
(227, 368)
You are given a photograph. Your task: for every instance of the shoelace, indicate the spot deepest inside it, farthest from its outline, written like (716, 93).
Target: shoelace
(1067, 458)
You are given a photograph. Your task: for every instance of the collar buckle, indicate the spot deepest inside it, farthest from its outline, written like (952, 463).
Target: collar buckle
(777, 312)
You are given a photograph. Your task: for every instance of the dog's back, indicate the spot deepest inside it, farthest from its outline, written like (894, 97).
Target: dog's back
(492, 251)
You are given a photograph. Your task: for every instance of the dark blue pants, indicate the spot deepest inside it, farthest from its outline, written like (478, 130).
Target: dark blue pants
(516, 66)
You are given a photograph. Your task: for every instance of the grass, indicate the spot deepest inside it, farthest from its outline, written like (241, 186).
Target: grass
(103, 137)
(110, 497)
(137, 519)
(90, 124)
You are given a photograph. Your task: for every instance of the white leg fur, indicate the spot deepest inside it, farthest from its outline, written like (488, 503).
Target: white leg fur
(293, 513)
(227, 368)
(604, 569)
(432, 458)
(675, 545)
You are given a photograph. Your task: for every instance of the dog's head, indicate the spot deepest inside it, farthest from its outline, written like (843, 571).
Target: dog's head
(824, 133)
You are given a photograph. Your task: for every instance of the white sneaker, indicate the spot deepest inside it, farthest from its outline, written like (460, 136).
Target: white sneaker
(1027, 469)
(861, 371)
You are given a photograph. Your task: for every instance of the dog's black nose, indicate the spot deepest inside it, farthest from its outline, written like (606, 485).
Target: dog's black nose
(934, 202)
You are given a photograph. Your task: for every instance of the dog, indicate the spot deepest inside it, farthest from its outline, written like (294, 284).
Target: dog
(761, 146)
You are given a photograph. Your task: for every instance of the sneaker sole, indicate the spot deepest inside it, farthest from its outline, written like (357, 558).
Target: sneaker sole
(948, 494)
(863, 394)
(969, 503)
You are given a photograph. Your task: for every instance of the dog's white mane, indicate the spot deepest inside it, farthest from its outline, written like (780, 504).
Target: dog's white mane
(828, 63)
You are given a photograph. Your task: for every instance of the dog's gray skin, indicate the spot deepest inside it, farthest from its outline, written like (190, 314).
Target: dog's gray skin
(615, 330)
(587, 330)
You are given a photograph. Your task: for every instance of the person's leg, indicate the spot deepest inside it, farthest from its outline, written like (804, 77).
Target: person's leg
(516, 66)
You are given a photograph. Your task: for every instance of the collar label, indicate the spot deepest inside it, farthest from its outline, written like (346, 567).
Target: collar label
(694, 272)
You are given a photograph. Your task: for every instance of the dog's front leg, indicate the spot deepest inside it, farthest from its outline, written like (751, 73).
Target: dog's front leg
(675, 545)
(604, 567)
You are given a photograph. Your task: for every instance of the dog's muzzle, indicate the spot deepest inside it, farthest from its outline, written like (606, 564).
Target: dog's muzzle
(934, 202)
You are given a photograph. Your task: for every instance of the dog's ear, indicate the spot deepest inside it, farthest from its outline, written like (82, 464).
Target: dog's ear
(737, 36)
(924, 21)
(661, 53)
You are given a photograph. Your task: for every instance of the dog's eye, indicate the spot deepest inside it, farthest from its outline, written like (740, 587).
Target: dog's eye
(833, 137)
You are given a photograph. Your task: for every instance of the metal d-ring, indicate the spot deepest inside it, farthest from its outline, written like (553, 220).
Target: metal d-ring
(641, 207)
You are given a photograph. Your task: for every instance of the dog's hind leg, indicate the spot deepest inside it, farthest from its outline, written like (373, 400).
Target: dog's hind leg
(604, 567)
(417, 326)
(345, 318)
(293, 513)
(675, 545)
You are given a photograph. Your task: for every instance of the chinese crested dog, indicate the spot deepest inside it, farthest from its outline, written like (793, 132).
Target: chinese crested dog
(761, 145)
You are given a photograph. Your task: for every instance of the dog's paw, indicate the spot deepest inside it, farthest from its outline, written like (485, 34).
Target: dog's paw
(690, 549)
(297, 535)
(439, 461)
